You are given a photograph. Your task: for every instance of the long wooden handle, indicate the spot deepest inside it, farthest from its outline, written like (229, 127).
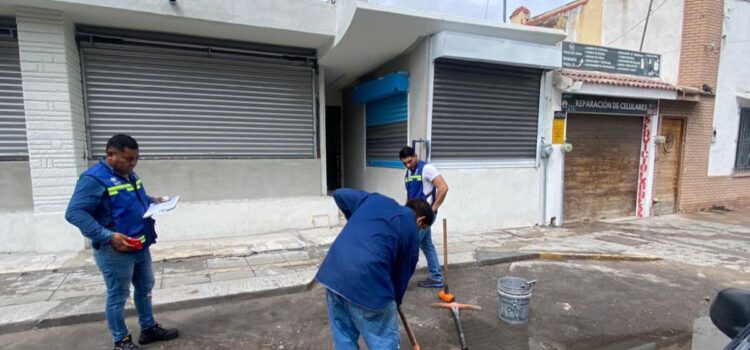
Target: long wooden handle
(445, 251)
(412, 338)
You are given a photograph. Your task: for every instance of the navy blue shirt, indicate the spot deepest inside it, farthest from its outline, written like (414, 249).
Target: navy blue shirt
(373, 258)
(89, 209)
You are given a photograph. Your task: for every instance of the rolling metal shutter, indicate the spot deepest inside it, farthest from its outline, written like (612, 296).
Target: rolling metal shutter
(198, 103)
(485, 111)
(386, 130)
(601, 174)
(12, 117)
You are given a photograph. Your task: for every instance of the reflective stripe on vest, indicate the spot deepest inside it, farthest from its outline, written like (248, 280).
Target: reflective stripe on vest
(128, 200)
(413, 178)
(113, 190)
(415, 186)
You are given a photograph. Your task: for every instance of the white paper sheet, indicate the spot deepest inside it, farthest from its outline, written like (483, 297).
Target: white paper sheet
(161, 207)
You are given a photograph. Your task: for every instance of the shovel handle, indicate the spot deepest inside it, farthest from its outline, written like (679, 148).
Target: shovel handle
(445, 252)
(409, 333)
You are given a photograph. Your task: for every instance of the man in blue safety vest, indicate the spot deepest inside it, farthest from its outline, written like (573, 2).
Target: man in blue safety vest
(423, 181)
(108, 206)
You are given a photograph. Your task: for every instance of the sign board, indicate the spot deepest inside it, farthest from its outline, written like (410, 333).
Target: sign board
(572, 103)
(610, 60)
(558, 129)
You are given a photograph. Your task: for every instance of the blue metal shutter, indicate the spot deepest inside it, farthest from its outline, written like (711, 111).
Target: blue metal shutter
(386, 130)
(13, 144)
(484, 111)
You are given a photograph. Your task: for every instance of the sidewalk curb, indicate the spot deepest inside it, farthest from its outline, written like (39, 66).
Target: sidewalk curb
(504, 257)
(130, 312)
(596, 256)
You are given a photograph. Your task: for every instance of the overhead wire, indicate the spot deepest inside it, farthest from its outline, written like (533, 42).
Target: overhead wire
(637, 24)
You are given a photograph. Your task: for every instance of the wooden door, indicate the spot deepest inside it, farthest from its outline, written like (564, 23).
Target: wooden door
(668, 163)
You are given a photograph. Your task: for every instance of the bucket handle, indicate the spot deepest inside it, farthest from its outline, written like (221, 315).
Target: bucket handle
(528, 284)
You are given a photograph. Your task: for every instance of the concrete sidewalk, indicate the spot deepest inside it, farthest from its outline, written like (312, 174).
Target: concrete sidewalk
(49, 290)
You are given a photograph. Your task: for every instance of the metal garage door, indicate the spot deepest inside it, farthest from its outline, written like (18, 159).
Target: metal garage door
(601, 173)
(386, 131)
(198, 103)
(12, 118)
(484, 111)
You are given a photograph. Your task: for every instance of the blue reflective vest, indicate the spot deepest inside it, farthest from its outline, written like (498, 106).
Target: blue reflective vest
(128, 203)
(414, 185)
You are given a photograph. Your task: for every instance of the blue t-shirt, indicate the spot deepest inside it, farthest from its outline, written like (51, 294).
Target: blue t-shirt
(373, 258)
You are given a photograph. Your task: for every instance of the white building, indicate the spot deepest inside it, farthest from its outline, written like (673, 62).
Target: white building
(730, 155)
(230, 102)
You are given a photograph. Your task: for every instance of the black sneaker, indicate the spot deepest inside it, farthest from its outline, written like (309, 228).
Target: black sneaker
(430, 283)
(126, 344)
(157, 333)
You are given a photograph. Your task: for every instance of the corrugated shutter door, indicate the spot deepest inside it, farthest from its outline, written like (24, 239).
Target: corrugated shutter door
(484, 111)
(12, 118)
(181, 103)
(601, 174)
(386, 130)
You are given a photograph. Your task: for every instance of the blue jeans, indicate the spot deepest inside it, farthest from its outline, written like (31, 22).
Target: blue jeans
(348, 321)
(119, 270)
(433, 264)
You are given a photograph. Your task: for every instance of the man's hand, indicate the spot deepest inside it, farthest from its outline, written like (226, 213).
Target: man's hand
(162, 199)
(120, 243)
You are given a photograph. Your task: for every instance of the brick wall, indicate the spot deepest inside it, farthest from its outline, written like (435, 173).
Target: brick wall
(697, 190)
(699, 64)
(701, 41)
(53, 105)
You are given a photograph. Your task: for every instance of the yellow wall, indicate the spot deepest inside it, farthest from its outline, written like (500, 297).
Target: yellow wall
(588, 26)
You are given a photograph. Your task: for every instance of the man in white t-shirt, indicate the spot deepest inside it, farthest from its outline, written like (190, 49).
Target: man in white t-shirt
(423, 181)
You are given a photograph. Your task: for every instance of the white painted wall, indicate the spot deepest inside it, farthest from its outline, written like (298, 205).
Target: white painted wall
(200, 220)
(15, 181)
(197, 180)
(622, 27)
(481, 10)
(300, 23)
(553, 167)
(354, 143)
(495, 50)
(53, 104)
(387, 181)
(487, 199)
(733, 90)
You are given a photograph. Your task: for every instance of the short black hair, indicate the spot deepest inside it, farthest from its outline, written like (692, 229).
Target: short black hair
(406, 152)
(121, 141)
(422, 208)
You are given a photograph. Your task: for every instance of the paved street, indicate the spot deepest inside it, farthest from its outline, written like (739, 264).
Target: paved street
(606, 285)
(576, 305)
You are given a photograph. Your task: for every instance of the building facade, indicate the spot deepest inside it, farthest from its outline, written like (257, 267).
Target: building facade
(230, 103)
(692, 148)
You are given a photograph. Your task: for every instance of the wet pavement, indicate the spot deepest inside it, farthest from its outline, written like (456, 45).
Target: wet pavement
(575, 305)
(214, 289)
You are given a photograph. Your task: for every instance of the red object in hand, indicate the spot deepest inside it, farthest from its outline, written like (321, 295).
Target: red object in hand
(136, 243)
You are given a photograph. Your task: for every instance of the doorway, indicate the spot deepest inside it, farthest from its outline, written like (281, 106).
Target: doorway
(333, 147)
(668, 163)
